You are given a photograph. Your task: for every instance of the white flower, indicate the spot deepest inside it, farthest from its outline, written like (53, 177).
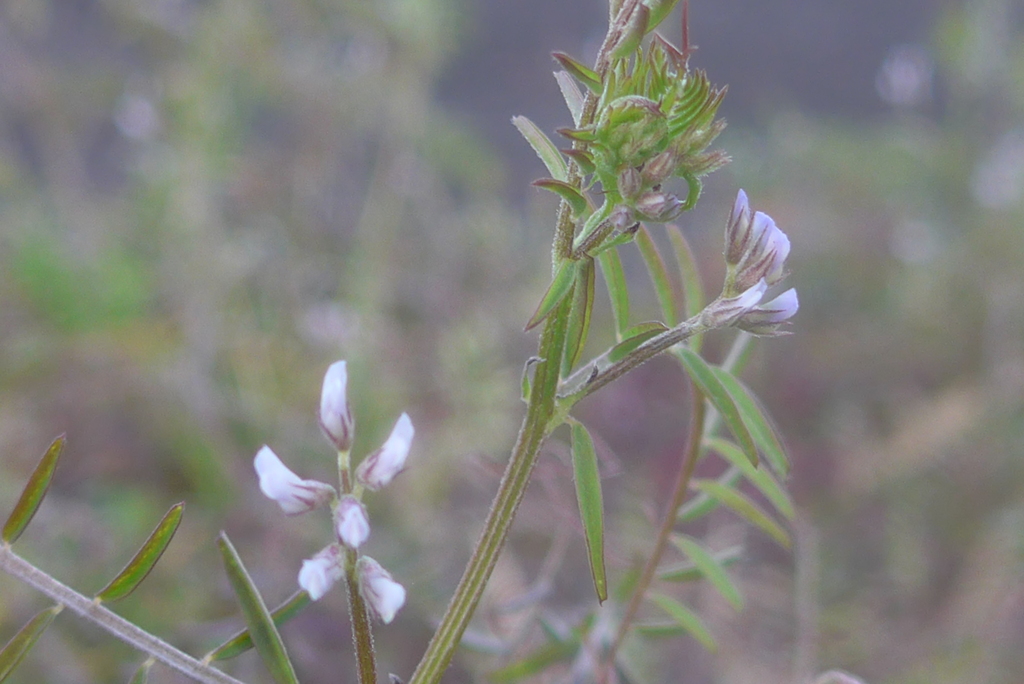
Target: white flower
(755, 248)
(319, 573)
(380, 467)
(335, 414)
(291, 492)
(351, 522)
(383, 595)
(766, 318)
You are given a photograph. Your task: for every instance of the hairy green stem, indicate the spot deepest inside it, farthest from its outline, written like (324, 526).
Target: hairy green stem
(111, 622)
(362, 633)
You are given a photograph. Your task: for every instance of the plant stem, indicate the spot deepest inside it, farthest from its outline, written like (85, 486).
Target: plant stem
(362, 633)
(113, 623)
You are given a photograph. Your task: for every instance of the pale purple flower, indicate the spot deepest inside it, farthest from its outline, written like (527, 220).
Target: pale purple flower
(755, 248)
(335, 413)
(724, 312)
(319, 573)
(766, 318)
(351, 522)
(380, 467)
(383, 595)
(293, 494)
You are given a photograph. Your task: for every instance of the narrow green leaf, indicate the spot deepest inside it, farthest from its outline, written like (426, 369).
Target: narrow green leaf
(535, 663)
(756, 420)
(578, 325)
(689, 572)
(571, 93)
(667, 296)
(22, 642)
(703, 374)
(659, 629)
(33, 493)
(583, 160)
(584, 75)
(618, 291)
(569, 193)
(702, 504)
(694, 299)
(659, 10)
(242, 642)
(141, 675)
(527, 379)
(543, 146)
(710, 568)
(635, 336)
(759, 477)
(588, 495)
(257, 618)
(746, 509)
(139, 566)
(560, 286)
(686, 618)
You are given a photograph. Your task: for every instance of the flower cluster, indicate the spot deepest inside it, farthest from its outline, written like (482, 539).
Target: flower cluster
(295, 495)
(755, 257)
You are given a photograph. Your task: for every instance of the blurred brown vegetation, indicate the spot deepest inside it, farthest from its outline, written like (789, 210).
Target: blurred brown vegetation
(204, 203)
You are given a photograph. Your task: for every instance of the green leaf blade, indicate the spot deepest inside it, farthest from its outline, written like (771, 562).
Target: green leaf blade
(635, 336)
(663, 288)
(544, 148)
(577, 201)
(745, 508)
(759, 477)
(578, 326)
(21, 643)
(694, 299)
(686, 618)
(618, 291)
(33, 493)
(145, 559)
(560, 286)
(756, 420)
(689, 572)
(242, 642)
(535, 663)
(265, 636)
(589, 497)
(583, 74)
(710, 569)
(141, 675)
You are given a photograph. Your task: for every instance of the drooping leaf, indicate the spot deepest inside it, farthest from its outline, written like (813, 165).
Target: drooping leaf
(22, 642)
(257, 618)
(693, 290)
(756, 420)
(704, 376)
(543, 146)
(33, 493)
(588, 495)
(571, 93)
(139, 566)
(635, 336)
(567, 192)
(560, 286)
(578, 325)
(759, 477)
(689, 572)
(709, 568)
(701, 504)
(618, 291)
(663, 288)
(141, 675)
(686, 618)
(746, 509)
(584, 75)
(242, 642)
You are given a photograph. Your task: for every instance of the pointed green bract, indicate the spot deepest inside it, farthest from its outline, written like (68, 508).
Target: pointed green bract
(543, 146)
(618, 292)
(759, 477)
(22, 642)
(32, 495)
(588, 495)
(746, 509)
(686, 618)
(242, 642)
(756, 420)
(257, 618)
(704, 376)
(584, 75)
(667, 296)
(572, 95)
(560, 286)
(689, 572)
(141, 675)
(694, 300)
(567, 192)
(578, 326)
(139, 566)
(709, 568)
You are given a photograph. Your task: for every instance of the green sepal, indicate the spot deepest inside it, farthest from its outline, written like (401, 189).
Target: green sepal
(689, 572)
(588, 495)
(710, 385)
(576, 200)
(142, 563)
(543, 146)
(242, 642)
(578, 325)
(33, 493)
(663, 288)
(635, 336)
(584, 75)
(257, 618)
(22, 642)
(618, 290)
(686, 619)
(710, 568)
(756, 420)
(560, 286)
(745, 508)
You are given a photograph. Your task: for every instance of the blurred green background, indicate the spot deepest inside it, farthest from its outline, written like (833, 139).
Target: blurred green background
(205, 202)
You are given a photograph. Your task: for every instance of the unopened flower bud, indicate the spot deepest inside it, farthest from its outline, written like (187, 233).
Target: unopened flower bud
(765, 319)
(351, 522)
(659, 206)
(629, 183)
(722, 313)
(383, 595)
(659, 167)
(380, 467)
(335, 414)
(319, 573)
(290, 491)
